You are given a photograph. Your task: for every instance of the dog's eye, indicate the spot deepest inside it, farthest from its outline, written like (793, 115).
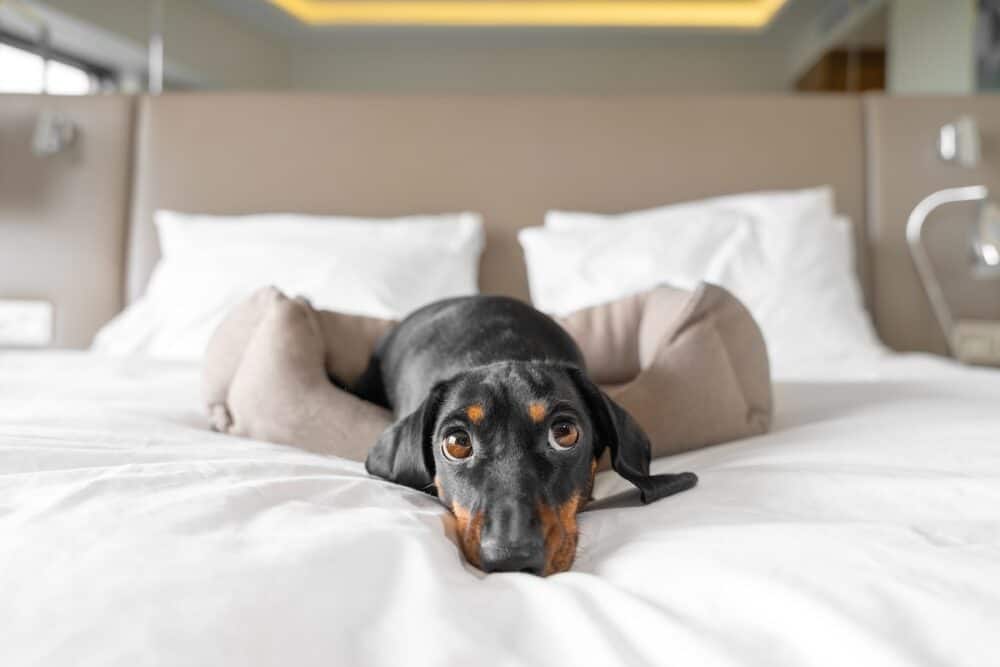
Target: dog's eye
(563, 435)
(457, 446)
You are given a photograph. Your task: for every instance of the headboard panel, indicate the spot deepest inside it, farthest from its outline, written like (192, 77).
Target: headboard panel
(510, 158)
(63, 218)
(904, 168)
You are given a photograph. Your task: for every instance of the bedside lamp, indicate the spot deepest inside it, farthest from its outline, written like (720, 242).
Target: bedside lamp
(971, 341)
(986, 240)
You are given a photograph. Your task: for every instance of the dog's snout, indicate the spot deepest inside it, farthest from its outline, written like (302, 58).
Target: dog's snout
(513, 557)
(512, 541)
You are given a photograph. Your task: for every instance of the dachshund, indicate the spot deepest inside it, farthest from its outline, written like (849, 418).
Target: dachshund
(496, 416)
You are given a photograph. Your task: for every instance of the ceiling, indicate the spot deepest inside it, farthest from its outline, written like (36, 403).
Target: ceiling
(735, 14)
(871, 34)
(308, 19)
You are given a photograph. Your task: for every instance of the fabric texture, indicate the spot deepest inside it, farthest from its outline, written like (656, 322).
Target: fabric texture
(690, 367)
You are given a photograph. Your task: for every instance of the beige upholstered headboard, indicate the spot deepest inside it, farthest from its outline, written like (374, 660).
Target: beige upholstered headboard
(63, 219)
(510, 158)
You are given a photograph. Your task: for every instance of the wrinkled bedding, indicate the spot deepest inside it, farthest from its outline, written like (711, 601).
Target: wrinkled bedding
(864, 529)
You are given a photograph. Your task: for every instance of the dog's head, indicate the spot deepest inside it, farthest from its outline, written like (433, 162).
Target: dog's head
(512, 449)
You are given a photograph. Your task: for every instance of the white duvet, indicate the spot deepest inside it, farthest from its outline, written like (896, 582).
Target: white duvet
(865, 530)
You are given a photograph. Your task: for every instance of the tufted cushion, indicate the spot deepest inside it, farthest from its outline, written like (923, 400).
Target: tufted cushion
(690, 367)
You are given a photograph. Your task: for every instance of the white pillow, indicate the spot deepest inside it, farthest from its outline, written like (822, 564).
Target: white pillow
(380, 268)
(784, 254)
(805, 296)
(573, 268)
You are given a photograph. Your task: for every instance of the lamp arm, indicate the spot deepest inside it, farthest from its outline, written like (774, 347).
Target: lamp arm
(922, 261)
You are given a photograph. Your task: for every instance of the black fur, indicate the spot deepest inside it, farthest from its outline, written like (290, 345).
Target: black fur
(502, 355)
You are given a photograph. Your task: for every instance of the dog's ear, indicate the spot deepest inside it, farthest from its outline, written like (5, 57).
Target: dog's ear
(630, 450)
(403, 454)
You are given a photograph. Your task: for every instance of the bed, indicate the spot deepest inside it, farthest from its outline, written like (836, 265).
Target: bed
(863, 529)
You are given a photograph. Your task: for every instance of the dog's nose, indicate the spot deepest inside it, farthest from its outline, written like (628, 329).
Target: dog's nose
(511, 540)
(518, 557)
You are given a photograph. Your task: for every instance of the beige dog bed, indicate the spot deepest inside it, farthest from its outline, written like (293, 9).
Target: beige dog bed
(690, 367)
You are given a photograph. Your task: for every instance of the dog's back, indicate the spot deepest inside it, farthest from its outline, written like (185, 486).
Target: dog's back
(455, 335)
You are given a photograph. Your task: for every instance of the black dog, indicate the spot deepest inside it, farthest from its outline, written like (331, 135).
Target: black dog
(497, 416)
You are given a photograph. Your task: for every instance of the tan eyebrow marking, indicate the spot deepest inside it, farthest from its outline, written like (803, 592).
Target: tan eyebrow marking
(537, 412)
(475, 413)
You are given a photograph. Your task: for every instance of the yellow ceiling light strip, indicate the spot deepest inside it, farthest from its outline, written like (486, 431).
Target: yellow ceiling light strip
(690, 13)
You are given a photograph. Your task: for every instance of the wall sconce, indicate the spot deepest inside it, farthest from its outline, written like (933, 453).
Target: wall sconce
(54, 132)
(971, 341)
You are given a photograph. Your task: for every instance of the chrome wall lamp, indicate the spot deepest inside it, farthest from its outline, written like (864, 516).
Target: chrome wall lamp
(54, 131)
(969, 340)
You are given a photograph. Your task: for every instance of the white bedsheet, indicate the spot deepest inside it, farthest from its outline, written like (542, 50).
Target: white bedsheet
(864, 531)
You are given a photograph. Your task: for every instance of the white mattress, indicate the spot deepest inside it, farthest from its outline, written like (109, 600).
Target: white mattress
(864, 531)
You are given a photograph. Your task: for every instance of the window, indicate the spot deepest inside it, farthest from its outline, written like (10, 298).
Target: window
(22, 71)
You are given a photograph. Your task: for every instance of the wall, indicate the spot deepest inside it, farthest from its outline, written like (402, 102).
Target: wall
(931, 46)
(512, 63)
(205, 47)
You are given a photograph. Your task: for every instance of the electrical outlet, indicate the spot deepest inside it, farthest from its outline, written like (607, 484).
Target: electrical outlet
(25, 323)
(977, 341)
